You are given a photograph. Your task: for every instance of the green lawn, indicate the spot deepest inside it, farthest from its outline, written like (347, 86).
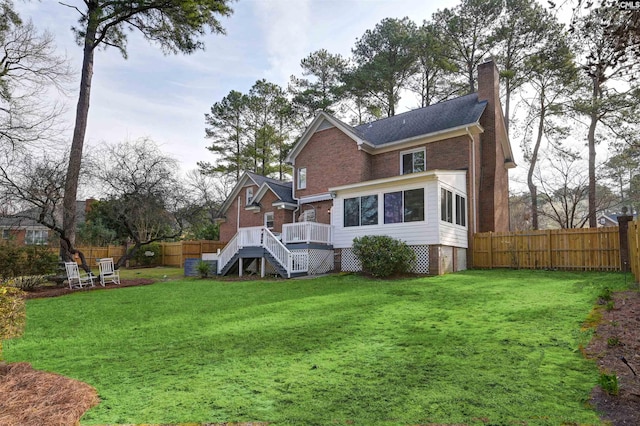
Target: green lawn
(157, 273)
(480, 347)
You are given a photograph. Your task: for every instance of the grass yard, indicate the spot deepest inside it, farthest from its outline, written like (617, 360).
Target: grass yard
(158, 273)
(497, 347)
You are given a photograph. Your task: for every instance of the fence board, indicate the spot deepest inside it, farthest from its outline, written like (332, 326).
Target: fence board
(595, 249)
(172, 254)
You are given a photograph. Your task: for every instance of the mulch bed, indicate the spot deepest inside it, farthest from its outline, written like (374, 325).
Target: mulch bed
(61, 291)
(618, 336)
(29, 397)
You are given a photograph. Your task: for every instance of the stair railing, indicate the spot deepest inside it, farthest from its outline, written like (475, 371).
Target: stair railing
(278, 250)
(227, 253)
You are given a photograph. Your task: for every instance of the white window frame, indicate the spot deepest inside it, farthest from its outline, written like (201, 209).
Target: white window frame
(266, 220)
(302, 178)
(412, 151)
(6, 234)
(249, 195)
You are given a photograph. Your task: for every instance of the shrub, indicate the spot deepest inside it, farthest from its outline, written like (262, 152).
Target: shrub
(18, 260)
(382, 256)
(12, 314)
(204, 269)
(148, 255)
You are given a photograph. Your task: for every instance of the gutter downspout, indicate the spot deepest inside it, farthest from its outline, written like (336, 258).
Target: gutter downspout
(473, 179)
(238, 221)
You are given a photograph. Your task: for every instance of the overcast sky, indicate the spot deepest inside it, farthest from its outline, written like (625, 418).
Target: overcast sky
(165, 97)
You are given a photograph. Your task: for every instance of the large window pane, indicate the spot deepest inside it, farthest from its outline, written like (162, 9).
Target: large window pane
(407, 163)
(461, 207)
(369, 209)
(414, 205)
(393, 207)
(352, 212)
(446, 205)
(418, 161)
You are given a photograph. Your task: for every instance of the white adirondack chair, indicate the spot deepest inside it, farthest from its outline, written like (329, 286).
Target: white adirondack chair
(75, 278)
(108, 272)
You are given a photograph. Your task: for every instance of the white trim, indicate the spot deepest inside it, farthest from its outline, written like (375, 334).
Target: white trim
(428, 175)
(413, 151)
(314, 198)
(273, 220)
(426, 138)
(298, 180)
(284, 205)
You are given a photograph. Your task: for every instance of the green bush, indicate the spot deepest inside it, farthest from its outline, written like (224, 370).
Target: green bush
(12, 314)
(382, 256)
(204, 269)
(144, 258)
(17, 261)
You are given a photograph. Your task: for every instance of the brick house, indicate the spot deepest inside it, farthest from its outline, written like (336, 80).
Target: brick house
(23, 229)
(431, 177)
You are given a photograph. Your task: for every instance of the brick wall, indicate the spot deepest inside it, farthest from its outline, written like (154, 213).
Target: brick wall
(250, 218)
(331, 159)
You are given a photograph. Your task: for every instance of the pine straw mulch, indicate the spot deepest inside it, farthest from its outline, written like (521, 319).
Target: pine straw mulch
(617, 337)
(29, 397)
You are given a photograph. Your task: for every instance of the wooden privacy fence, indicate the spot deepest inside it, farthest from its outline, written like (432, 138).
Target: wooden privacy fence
(634, 248)
(171, 254)
(596, 249)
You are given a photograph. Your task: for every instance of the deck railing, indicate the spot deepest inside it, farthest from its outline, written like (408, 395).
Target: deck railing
(307, 232)
(258, 236)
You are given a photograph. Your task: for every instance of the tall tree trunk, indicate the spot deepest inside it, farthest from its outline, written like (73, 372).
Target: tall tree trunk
(591, 140)
(75, 157)
(506, 105)
(533, 190)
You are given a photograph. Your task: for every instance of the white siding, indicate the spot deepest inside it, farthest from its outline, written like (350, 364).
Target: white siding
(451, 234)
(413, 233)
(430, 231)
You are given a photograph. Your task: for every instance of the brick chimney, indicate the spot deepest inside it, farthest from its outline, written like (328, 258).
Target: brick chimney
(494, 177)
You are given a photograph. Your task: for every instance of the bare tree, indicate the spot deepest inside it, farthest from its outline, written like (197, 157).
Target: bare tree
(564, 190)
(145, 201)
(32, 188)
(29, 67)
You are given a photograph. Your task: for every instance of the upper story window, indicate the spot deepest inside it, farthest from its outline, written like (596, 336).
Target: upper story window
(268, 220)
(5, 234)
(302, 178)
(413, 161)
(360, 211)
(249, 196)
(36, 237)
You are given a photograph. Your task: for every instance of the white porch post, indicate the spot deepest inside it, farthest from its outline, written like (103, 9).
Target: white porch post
(240, 267)
(263, 265)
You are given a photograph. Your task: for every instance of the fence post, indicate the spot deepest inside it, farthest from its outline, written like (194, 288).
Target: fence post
(623, 232)
(549, 251)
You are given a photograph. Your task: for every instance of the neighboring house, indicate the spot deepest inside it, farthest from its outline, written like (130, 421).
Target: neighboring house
(431, 177)
(25, 230)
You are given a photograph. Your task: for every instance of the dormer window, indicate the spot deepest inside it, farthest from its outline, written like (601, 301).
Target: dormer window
(412, 161)
(302, 178)
(249, 196)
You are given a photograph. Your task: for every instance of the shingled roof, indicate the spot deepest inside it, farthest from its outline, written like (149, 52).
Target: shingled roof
(454, 113)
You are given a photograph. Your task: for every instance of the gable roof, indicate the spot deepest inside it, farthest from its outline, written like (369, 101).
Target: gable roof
(454, 114)
(282, 190)
(28, 218)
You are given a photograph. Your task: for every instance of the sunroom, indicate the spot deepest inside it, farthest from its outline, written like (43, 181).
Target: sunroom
(427, 210)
